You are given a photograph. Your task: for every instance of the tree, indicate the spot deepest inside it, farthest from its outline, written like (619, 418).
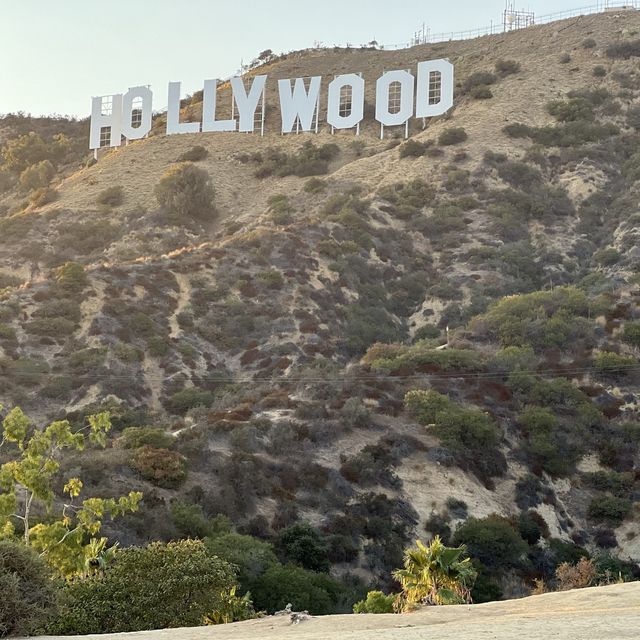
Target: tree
(28, 479)
(435, 575)
(185, 191)
(303, 545)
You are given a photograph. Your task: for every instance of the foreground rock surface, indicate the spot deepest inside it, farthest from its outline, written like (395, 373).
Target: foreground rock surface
(586, 614)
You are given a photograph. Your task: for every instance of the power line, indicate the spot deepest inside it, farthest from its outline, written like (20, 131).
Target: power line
(480, 375)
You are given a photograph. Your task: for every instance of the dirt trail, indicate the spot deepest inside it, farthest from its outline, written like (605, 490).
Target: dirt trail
(600, 613)
(184, 297)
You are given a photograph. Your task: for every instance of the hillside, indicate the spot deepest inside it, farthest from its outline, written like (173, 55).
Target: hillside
(387, 340)
(587, 614)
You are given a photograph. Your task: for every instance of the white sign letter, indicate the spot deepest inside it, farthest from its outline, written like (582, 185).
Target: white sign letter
(429, 101)
(334, 117)
(383, 90)
(299, 103)
(247, 104)
(143, 99)
(173, 113)
(111, 119)
(209, 100)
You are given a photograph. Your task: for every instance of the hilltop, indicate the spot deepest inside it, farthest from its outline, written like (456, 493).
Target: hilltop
(386, 339)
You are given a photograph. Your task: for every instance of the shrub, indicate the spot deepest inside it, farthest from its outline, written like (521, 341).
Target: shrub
(111, 196)
(589, 43)
(609, 509)
(427, 332)
(28, 595)
(607, 257)
(507, 67)
(564, 58)
(160, 466)
(37, 176)
(631, 333)
(624, 50)
(251, 556)
(25, 150)
(156, 587)
(599, 71)
(71, 278)
(376, 602)
(185, 191)
(135, 437)
(572, 110)
(412, 148)
(492, 541)
(314, 185)
(633, 117)
(191, 522)
(578, 576)
(181, 401)
(43, 196)
(478, 79)
(613, 363)
(481, 92)
(195, 154)
(452, 135)
(457, 508)
(317, 593)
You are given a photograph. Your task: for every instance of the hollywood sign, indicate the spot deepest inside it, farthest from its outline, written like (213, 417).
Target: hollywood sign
(399, 96)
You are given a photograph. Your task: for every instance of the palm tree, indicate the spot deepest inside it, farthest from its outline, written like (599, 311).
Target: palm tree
(434, 575)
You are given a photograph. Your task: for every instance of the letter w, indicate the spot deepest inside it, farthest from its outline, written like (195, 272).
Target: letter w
(299, 104)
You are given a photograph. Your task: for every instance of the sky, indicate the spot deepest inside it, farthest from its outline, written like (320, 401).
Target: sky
(56, 54)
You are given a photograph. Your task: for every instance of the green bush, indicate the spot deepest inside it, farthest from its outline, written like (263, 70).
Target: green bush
(589, 43)
(459, 428)
(251, 556)
(317, 593)
(160, 586)
(111, 196)
(631, 333)
(376, 602)
(609, 509)
(607, 257)
(452, 135)
(135, 437)
(614, 363)
(161, 467)
(191, 522)
(71, 278)
(493, 541)
(572, 110)
(181, 401)
(309, 160)
(619, 484)
(28, 596)
(568, 134)
(393, 358)
(479, 79)
(185, 191)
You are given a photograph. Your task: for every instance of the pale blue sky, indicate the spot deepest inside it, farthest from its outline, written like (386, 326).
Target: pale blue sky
(56, 54)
